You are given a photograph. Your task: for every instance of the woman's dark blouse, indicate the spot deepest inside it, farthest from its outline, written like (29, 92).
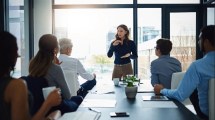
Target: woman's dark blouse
(120, 50)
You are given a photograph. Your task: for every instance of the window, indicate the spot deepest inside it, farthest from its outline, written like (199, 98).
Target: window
(90, 23)
(16, 27)
(92, 31)
(211, 16)
(169, 1)
(93, 1)
(183, 37)
(149, 31)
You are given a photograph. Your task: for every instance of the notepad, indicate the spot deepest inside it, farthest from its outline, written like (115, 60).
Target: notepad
(159, 104)
(81, 115)
(98, 103)
(154, 98)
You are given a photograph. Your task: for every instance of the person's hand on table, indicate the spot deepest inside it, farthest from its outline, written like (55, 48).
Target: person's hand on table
(158, 88)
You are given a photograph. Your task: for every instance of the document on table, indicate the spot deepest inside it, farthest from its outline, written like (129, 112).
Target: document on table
(81, 115)
(154, 98)
(145, 88)
(104, 89)
(159, 104)
(98, 103)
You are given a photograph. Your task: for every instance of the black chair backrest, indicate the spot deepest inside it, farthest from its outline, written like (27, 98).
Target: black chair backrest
(35, 85)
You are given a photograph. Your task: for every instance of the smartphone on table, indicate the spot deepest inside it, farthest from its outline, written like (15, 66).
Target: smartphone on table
(119, 114)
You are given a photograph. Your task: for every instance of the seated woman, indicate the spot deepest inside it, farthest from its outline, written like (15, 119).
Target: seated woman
(44, 65)
(13, 92)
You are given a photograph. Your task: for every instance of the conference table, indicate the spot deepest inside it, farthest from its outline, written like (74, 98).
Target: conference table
(137, 108)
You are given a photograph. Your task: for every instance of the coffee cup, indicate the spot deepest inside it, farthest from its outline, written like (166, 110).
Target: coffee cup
(47, 91)
(116, 81)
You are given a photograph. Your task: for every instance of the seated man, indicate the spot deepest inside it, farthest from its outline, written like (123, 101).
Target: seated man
(74, 66)
(198, 74)
(164, 66)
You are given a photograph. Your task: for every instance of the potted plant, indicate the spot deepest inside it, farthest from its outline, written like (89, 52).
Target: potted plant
(131, 88)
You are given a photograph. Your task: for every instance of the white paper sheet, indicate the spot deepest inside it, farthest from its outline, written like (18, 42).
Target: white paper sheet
(98, 103)
(81, 115)
(159, 104)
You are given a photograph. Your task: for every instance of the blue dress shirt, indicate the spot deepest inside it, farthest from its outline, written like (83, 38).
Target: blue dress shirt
(162, 70)
(120, 50)
(197, 76)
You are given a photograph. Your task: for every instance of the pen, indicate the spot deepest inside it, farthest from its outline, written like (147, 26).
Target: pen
(94, 110)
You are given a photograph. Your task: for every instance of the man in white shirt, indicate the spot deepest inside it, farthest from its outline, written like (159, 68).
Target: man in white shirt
(72, 67)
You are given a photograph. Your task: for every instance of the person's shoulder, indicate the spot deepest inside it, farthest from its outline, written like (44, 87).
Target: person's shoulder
(73, 59)
(17, 83)
(67, 58)
(199, 61)
(175, 59)
(156, 61)
(54, 67)
(130, 41)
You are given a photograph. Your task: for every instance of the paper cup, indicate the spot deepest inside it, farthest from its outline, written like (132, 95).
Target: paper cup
(47, 90)
(116, 81)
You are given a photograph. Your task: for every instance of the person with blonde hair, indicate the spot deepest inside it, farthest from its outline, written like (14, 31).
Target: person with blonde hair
(45, 64)
(14, 98)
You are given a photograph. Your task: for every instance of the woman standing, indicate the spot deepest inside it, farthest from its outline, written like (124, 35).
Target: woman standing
(124, 50)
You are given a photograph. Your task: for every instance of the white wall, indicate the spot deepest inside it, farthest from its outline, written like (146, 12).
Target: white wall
(42, 20)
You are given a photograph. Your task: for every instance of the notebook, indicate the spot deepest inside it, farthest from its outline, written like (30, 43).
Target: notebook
(81, 115)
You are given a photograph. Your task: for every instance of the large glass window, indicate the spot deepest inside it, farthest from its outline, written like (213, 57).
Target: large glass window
(183, 37)
(149, 31)
(16, 27)
(92, 31)
(169, 1)
(211, 16)
(93, 1)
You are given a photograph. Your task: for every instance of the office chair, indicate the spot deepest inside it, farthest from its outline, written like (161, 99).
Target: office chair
(211, 99)
(176, 78)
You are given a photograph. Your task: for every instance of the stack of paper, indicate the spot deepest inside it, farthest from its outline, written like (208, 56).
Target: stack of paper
(81, 115)
(98, 103)
(159, 104)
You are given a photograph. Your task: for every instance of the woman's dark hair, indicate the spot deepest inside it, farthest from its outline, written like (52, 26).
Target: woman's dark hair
(208, 32)
(40, 64)
(8, 51)
(126, 29)
(164, 45)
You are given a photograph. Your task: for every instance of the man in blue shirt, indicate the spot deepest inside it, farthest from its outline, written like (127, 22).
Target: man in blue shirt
(198, 74)
(163, 67)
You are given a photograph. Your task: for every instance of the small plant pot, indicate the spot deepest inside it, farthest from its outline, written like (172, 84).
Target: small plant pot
(131, 92)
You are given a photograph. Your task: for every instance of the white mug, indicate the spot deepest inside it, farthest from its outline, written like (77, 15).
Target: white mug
(116, 81)
(47, 91)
